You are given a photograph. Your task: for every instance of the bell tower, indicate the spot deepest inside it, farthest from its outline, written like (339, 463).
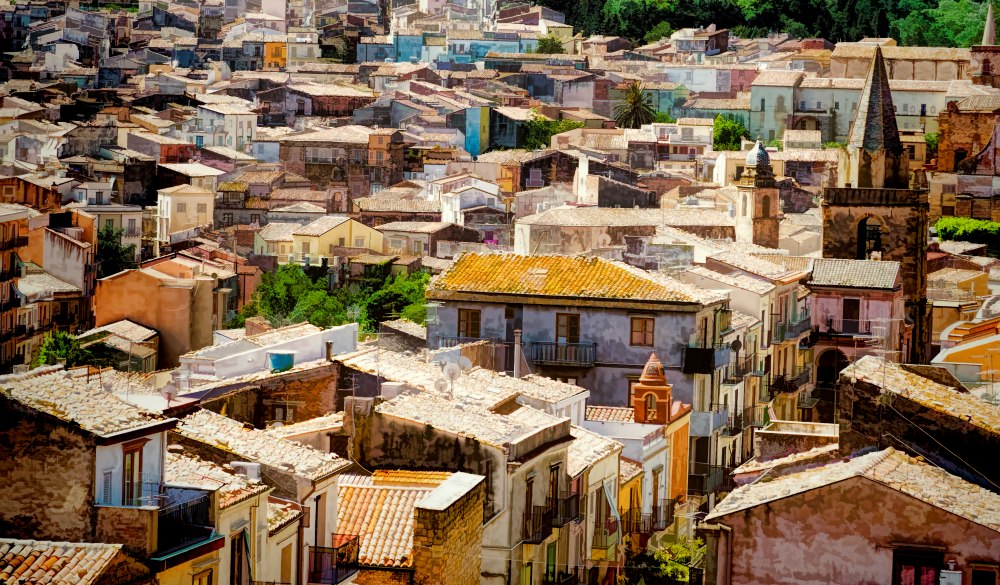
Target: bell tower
(652, 397)
(758, 201)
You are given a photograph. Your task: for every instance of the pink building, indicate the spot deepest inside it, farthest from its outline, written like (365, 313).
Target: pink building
(857, 309)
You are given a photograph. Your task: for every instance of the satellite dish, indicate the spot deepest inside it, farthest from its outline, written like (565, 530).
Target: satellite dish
(736, 345)
(441, 385)
(452, 371)
(465, 363)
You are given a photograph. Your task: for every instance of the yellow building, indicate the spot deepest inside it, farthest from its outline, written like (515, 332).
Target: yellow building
(324, 238)
(975, 345)
(275, 55)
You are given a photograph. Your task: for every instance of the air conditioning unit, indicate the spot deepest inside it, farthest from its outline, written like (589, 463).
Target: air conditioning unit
(247, 468)
(22, 369)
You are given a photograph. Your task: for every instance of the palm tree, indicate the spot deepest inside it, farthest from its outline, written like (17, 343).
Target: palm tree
(636, 107)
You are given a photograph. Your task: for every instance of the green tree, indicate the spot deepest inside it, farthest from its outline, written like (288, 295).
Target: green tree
(774, 143)
(540, 130)
(59, 345)
(727, 134)
(966, 229)
(550, 45)
(112, 256)
(279, 292)
(635, 107)
(931, 140)
(666, 565)
(661, 30)
(663, 118)
(400, 295)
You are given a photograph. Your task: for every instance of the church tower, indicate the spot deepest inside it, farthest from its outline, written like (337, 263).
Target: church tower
(876, 154)
(652, 396)
(984, 58)
(758, 201)
(878, 216)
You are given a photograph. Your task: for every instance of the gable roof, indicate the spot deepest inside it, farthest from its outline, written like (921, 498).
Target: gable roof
(563, 277)
(874, 127)
(892, 469)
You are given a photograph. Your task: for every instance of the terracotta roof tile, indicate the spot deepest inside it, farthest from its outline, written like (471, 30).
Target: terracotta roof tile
(880, 274)
(610, 413)
(184, 469)
(43, 562)
(564, 277)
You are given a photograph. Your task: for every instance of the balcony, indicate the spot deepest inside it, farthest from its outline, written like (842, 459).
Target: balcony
(704, 423)
(798, 325)
(755, 416)
(184, 524)
(703, 478)
(734, 426)
(567, 509)
(807, 400)
(451, 341)
(606, 533)
(802, 376)
(537, 525)
(560, 578)
(552, 353)
(13, 243)
(705, 360)
(328, 565)
(778, 331)
(660, 516)
(738, 369)
(851, 328)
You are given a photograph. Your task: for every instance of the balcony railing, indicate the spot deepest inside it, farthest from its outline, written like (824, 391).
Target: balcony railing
(738, 368)
(705, 360)
(798, 325)
(734, 426)
(329, 565)
(755, 416)
(184, 524)
(537, 524)
(563, 354)
(453, 341)
(606, 532)
(660, 516)
(704, 423)
(801, 376)
(704, 479)
(560, 578)
(778, 330)
(567, 509)
(790, 383)
(849, 327)
(808, 400)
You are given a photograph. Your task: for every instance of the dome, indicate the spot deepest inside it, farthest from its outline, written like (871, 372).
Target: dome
(758, 156)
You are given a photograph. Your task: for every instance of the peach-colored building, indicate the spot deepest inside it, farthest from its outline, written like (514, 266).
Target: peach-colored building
(180, 309)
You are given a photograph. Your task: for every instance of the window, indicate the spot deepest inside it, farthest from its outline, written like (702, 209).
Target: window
(656, 485)
(553, 494)
(567, 328)
(106, 492)
(916, 567)
(202, 208)
(131, 227)
(182, 208)
(305, 247)
(132, 472)
(255, 218)
(239, 559)
(468, 323)
(984, 575)
(642, 332)
(508, 313)
(202, 578)
(341, 242)
(359, 242)
(227, 219)
(650, 400)
(109, 224)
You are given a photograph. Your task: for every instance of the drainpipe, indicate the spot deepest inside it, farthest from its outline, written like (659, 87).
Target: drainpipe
(518, 353)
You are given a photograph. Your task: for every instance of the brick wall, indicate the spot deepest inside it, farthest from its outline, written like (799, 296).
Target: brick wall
(446, 543)
(134, 528)
(48, 485)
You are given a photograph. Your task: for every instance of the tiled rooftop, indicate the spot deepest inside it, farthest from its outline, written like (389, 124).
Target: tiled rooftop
(937, 397)
(281, 513)
(587, 449)
(563, 277)
(187, 470)
(734, 279)
(79, 398)
(326, 422)
(610, 413)
(881, 274)
(321, 225)
(949, 277)
(628, 469)
(753, 265)
(382, 514)
(258, 446)
(395, 204)
(893, 469)
(39, 562)
(419, 227)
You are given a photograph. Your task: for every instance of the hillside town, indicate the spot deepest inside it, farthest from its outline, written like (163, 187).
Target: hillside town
(300, 292)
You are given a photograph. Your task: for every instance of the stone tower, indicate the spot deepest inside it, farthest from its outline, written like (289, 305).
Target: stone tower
(879, 216)
(876, 155)
(984, 59)
(759, 201)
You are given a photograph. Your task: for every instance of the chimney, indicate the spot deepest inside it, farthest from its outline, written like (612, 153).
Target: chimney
(329, 351)
(518, 353)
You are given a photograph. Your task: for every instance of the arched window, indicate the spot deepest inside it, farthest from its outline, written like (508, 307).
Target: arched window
(766, 206)
(650, 406)
(869, 237)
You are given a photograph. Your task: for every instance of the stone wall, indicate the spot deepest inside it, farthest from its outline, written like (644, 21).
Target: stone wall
(48, 484)
(134, 528)
(447, 543)
(376, 576)
(962, 131)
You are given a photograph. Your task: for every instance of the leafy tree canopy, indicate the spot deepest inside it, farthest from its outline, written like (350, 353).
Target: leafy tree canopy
(727, 134)
(635, 107)
(550, 45)
(112, 256)
(59, 345)
(540, 131)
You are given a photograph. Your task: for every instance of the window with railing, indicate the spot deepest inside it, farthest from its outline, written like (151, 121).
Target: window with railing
(334, 564)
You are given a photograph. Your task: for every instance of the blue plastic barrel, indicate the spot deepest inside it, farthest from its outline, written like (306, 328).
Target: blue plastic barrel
(280, 361)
